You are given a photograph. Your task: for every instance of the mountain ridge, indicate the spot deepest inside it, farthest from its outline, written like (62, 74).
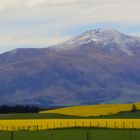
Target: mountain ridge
(102, 36)
(89, 73)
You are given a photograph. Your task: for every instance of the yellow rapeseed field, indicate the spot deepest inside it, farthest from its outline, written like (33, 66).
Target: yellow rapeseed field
(93, 110)
(45, 124)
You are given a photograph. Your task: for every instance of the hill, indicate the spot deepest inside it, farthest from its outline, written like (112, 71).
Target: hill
(121, 111)
(93, 110)
(98, 66)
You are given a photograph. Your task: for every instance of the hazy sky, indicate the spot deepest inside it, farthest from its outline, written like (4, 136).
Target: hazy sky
(40, 23)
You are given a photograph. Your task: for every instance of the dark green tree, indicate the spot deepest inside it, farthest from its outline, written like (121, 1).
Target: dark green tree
(134, 108)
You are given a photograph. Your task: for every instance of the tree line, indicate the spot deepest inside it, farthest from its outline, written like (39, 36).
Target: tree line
(6, 109)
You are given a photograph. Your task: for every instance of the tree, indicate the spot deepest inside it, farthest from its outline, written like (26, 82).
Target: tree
(6, 109)
(134, 108)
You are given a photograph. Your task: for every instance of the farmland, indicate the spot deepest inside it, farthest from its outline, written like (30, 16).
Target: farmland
(75, 133)
(121, 115)
(81, 123)
(44, 124)
(87, 118)
(93, 110)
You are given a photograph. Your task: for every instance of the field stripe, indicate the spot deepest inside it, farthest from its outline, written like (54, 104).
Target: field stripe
(44, 124)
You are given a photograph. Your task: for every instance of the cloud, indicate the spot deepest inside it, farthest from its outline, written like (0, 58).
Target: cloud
(29, 42)
(47, 21)
(7, 3)
(135, 34)
(51, 2)
(85, 10)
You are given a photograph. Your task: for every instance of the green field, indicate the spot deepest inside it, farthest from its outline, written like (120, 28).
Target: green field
(74, 134)
(122, 115)
(36, 116)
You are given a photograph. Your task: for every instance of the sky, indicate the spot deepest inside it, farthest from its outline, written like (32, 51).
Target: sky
(41, 23)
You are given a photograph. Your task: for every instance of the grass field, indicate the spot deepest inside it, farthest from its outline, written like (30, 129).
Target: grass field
(93, 110)
(74, 134)
(123, 115)
(37, 116)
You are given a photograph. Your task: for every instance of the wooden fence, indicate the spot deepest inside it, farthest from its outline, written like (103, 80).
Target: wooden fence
(72, 124)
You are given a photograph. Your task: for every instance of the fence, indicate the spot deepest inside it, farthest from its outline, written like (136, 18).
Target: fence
(56, 124)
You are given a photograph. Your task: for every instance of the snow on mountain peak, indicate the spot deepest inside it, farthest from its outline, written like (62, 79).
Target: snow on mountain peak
(104, 37)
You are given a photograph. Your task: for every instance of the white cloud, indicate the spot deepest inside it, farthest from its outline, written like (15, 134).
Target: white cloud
(29, 42)
(7, 3)
(135, 34)
(50, 2)
(90, 10)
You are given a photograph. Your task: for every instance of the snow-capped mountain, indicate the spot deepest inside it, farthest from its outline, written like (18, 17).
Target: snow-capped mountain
(103, 38)
(98, 66)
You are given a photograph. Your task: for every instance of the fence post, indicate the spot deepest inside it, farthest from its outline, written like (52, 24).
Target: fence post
(82, 124)
(133, 125)
(37, 127)
(98, 124)
(130, 135)
(123, 124)
(75, 123)
(60, 125)
(90, 124)
(47, 126)
(51, 136)
(88, 136)
(12, 135)
(68, 124)
(115, 124)
(106, 124)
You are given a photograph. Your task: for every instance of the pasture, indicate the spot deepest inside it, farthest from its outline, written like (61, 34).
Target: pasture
(73, 133)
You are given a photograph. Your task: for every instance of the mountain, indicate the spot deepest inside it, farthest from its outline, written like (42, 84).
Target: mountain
(98, 66)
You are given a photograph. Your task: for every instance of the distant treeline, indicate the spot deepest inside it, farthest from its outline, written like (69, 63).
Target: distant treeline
(6, 109)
